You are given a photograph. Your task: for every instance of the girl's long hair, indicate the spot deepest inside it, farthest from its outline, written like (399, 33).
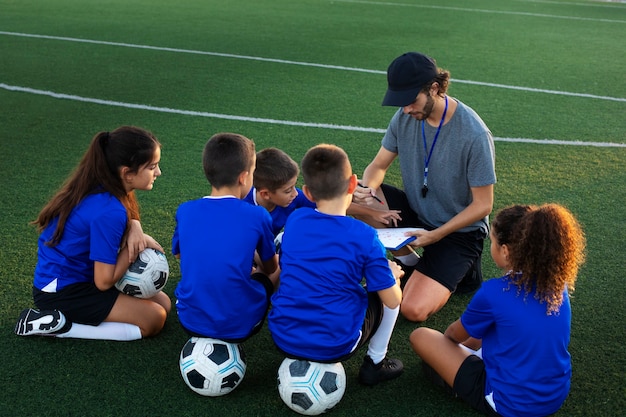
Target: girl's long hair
(99, 171)
(548, 250)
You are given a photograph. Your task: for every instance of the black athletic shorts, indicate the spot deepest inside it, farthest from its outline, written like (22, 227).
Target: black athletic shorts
(469, 384)
(80, 303)
(449, 260)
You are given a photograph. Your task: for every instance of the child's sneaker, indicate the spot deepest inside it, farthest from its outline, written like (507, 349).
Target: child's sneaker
(372, 374)
(34, 322)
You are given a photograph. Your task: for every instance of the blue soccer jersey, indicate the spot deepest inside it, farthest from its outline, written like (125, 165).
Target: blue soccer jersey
(280, 214)
(525, 350)
(216, 239)
(93, 232)
(318, 310)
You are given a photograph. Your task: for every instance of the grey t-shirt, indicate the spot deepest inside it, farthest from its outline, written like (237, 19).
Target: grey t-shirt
(463, 157)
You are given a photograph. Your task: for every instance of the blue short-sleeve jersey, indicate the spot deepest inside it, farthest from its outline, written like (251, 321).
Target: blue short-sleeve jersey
(93, 232)
(280, 214)
(216, 239)
(319, 307)
(525, 352)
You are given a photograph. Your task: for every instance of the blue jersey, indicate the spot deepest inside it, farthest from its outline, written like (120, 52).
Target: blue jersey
(280, 214)
(93, 232)
(318, 310)
(525, 350)
(216, 239)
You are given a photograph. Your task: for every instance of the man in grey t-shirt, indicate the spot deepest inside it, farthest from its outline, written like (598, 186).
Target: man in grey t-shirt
(447, 162)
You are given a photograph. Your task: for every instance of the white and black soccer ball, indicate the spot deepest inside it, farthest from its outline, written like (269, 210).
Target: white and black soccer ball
(146, 276)
(311, 388)
(212, 367)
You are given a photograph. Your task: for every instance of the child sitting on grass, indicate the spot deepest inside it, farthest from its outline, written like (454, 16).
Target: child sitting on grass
(521, 320)
(321, 311)
(90, 234)
(216, 237)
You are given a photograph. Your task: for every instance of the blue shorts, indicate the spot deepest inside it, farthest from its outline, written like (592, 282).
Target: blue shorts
(449, 260)
(80, 303)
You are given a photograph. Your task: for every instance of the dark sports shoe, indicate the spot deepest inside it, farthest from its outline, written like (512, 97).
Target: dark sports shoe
(436, 379)
(44, 323)
(372, 374)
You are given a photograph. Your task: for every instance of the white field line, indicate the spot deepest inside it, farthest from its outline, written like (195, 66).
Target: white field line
(269, 121)
(306, 64)
(597, 3)
(467, 9)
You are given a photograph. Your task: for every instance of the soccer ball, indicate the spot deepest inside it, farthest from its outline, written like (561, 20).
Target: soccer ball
(212, 367)
(311, 388)
(146, 276)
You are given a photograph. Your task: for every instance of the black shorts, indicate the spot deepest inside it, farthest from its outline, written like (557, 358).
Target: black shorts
(449, 260)
(469, 384)
(269, 290)
(80, 303)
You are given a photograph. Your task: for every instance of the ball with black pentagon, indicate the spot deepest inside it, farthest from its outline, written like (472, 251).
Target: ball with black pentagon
(212, 367)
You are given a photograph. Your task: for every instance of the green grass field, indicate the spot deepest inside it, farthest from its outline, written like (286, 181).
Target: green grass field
(546, 76)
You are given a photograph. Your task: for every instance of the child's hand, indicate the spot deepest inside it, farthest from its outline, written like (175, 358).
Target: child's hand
(134, 240)
(137, 241)
(396, 270)
(150, 242)
(386, 217)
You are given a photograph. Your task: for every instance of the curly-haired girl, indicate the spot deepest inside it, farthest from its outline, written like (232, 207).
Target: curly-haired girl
(507, 354)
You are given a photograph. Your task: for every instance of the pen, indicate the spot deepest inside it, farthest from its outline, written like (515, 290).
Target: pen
(375, 198)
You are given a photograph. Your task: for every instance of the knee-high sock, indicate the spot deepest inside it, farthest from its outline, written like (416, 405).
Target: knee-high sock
(104, 331)
(379, 342)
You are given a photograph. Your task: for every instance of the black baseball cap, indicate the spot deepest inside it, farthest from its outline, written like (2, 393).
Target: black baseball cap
(406, 76)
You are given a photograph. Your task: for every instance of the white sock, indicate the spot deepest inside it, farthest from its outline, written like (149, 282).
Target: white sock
(377, 349)
(104, 331)
(409, 260)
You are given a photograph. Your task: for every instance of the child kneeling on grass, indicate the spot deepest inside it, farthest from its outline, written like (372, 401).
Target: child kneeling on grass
(220, 294)
(321, 312)
(517, 327)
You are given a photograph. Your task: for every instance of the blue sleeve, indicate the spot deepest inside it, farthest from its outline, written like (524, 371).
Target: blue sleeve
(266, 248)
(107, 231)
(478, 315)
(378, 275)
(176, 238)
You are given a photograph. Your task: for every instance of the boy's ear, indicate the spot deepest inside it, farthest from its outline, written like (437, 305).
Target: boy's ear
(243, 177)
(353, 183)
(264, 193)
(307, 193)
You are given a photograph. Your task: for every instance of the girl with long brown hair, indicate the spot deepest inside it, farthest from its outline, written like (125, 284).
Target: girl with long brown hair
(89, 235)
